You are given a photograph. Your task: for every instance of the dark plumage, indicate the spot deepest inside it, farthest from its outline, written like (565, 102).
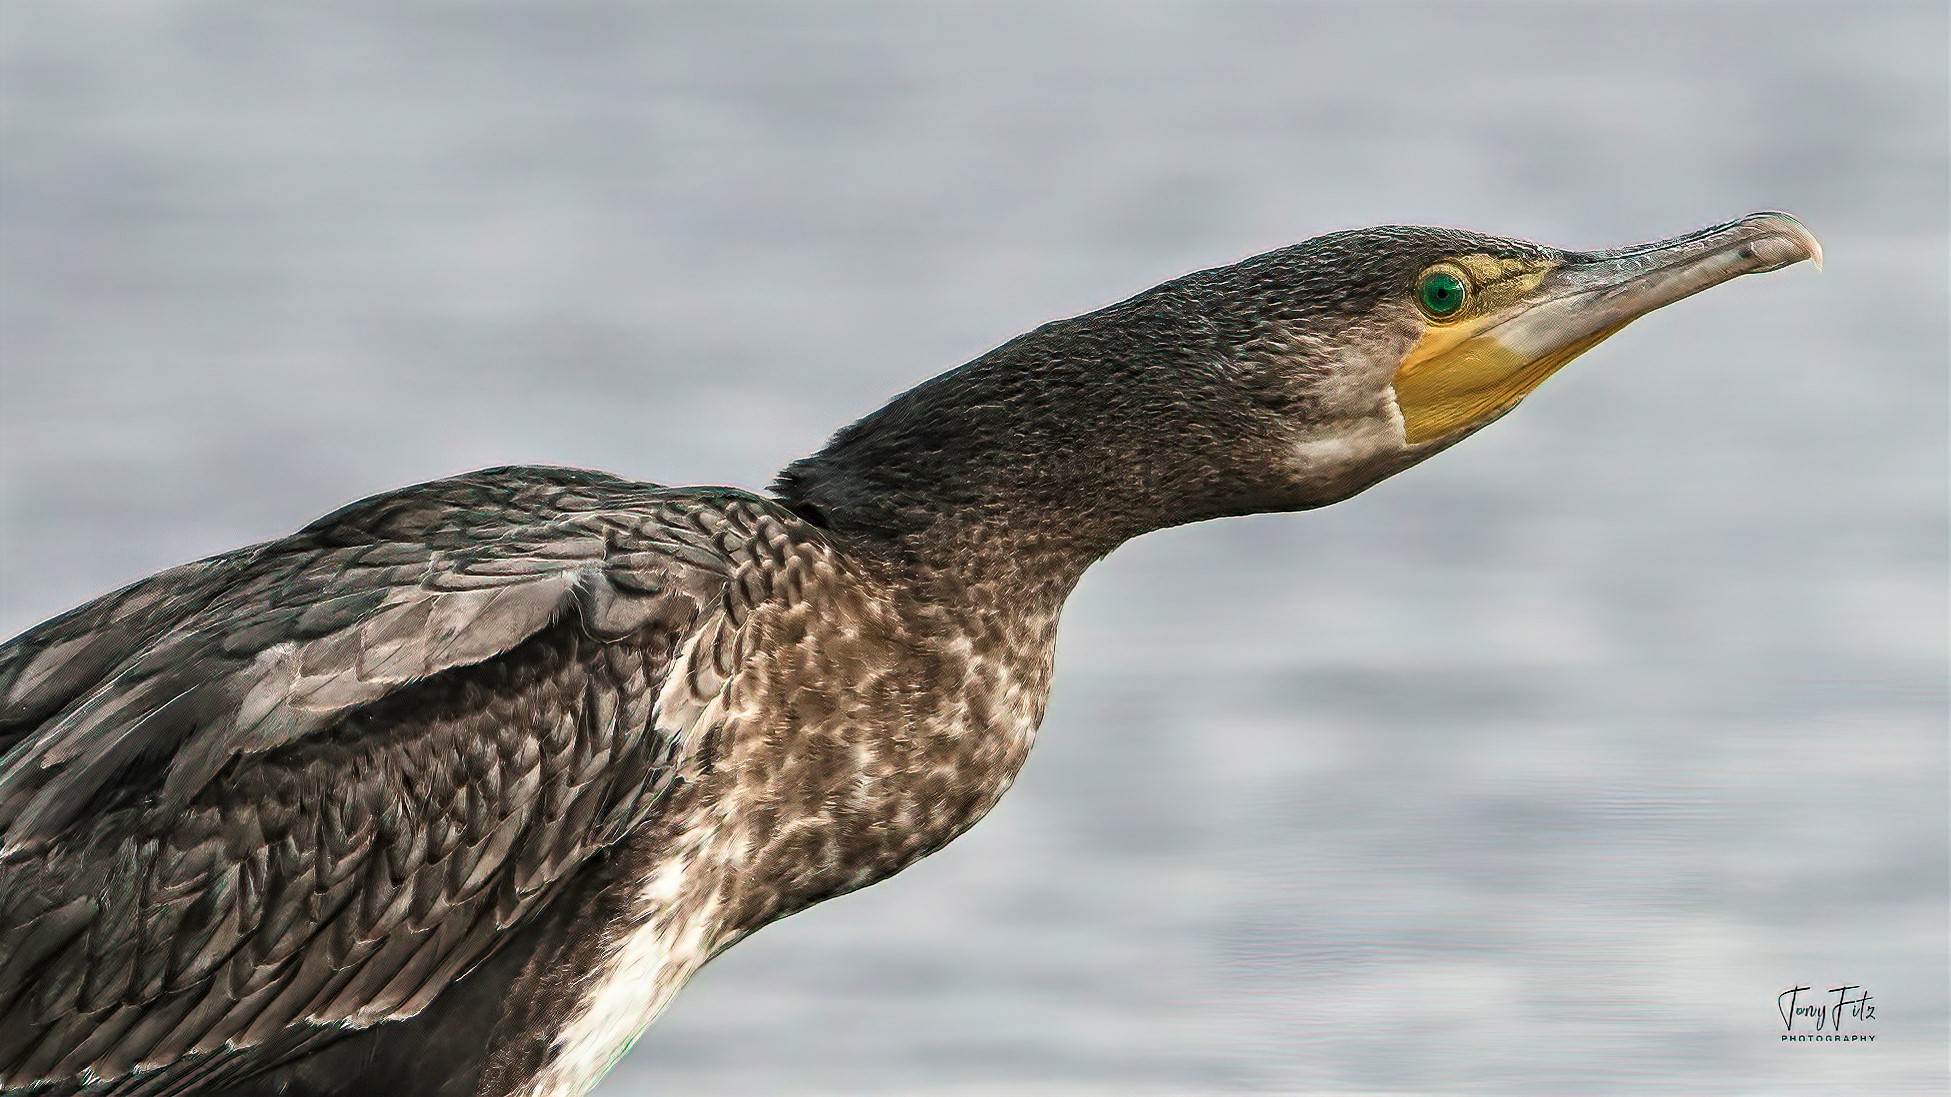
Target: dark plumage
(448, 792)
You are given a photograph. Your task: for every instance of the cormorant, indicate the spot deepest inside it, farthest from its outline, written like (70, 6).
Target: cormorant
(450, 791)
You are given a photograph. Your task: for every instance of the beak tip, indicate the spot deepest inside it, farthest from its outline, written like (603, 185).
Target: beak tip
(1775, 225)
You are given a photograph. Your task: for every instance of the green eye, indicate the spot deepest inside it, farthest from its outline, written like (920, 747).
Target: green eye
(1441, 293)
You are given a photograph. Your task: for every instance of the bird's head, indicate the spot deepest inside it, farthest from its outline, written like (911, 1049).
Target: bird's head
(1388, 345)
(1287, 381)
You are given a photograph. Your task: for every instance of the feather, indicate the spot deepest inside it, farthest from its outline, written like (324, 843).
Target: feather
(280, 795)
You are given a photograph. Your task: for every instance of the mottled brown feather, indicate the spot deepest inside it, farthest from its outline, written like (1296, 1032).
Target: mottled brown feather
(314, 781)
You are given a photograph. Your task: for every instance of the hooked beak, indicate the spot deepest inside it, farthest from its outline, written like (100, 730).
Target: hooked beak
(1461, 376)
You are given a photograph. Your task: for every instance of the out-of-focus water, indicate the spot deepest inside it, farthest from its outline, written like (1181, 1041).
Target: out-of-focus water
(1541, 769)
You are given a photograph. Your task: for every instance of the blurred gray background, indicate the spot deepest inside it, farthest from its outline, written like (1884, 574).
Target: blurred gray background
(1540, 769)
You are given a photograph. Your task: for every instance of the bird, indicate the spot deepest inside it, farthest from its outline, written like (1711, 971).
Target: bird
(449, 792)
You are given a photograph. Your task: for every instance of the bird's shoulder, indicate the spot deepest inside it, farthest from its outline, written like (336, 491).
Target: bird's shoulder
(319, 776)
(253, 649)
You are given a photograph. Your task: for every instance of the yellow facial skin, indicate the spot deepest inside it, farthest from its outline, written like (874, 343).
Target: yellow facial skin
(1523, 319)
(1458, 375)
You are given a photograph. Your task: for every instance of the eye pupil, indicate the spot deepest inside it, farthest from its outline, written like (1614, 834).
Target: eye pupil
(1442, 293)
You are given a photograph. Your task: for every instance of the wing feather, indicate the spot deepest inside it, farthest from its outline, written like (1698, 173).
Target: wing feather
(300, 788)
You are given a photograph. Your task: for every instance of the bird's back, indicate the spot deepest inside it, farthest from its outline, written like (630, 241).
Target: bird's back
(291, 794)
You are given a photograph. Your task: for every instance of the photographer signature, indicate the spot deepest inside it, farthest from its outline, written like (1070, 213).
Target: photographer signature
(1821, 1014)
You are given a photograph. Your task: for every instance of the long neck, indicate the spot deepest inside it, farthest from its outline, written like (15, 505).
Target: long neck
(1017, 471)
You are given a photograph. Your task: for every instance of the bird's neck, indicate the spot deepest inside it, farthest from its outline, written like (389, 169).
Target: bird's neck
(1014, 473)
(1007, 534)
